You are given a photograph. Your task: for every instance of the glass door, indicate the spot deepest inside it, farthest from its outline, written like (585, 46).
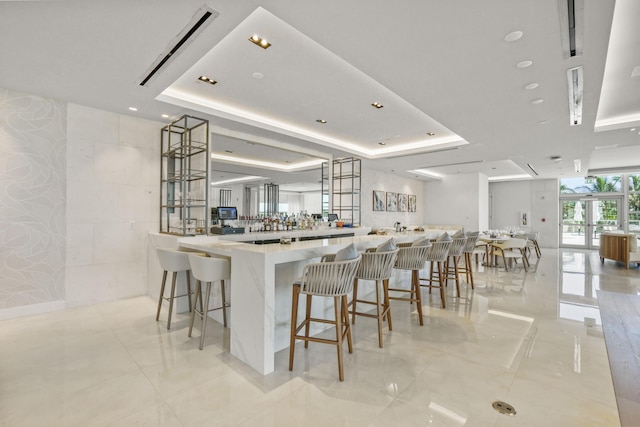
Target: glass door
(584, 220)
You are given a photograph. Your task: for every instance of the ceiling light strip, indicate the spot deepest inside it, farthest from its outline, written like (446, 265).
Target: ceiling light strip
(200, 103)
(265, 164)
(532, 169)
(575, 81)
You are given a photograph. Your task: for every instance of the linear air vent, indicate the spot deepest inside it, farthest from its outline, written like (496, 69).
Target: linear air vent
(532, 169)
(452, 164)
(426, 152)
(204, 16)
(571, 26)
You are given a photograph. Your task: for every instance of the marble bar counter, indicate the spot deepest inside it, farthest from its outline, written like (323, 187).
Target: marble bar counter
(268, 236)
(261, 279)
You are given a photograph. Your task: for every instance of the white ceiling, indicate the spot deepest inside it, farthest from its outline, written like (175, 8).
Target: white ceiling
(436, 66)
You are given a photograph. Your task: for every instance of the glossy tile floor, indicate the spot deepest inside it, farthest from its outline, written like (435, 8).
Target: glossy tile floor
(519, 337)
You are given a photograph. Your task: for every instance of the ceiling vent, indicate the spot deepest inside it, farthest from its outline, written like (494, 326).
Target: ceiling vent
(571, 26)
(204, 16)
(453, 164)
(576, 88)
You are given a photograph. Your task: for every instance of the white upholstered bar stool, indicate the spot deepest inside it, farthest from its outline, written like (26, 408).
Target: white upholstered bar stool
(378, 267)
(412, 257)
(173, 261)
(324, 279)
(208, 270)
(437, 258)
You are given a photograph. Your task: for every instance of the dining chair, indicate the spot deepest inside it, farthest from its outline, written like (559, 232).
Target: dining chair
(512, 249)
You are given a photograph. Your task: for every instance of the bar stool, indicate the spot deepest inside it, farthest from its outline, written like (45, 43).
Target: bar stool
(324, 279)
(451, 264)
(208, 270)
(437, 257)
(411, 258)
(173, 261)
(468, 251)
(376, 266)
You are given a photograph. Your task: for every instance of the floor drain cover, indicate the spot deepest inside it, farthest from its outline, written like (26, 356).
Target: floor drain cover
(503, 408)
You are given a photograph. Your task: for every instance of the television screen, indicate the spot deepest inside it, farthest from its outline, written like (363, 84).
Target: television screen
(227, 213)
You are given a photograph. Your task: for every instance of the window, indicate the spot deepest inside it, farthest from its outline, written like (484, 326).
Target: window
(592, 184)
(634, 203)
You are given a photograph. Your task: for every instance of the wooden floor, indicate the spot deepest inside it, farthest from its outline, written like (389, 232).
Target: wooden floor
(620, 315)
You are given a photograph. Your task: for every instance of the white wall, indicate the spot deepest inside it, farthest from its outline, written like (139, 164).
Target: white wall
(80, 193)
(457, 200)
(537, 197)
(374, 180)
(113, 171)
(32, 203)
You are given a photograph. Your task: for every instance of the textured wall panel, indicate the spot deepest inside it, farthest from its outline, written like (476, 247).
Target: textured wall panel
(32, 199)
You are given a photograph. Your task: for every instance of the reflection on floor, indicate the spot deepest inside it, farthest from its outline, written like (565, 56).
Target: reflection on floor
(519, 338)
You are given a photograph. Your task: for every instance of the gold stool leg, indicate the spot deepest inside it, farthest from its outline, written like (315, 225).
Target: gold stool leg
(172, 297)
(193, 312)
(224, 303)
(204, 313)
(164, 281)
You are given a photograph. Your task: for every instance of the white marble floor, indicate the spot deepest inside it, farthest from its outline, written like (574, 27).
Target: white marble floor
(519, 337)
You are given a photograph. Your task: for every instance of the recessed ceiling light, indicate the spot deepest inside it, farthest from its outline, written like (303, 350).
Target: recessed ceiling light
(377, 105)
(228, 151)
(537, 101)
(257, 76)
(165, 116)
(133, 109)
(207, 80)
(543, 122)
(321, 121)
(431, 133)
(632, 129)
(259, 41)
(531, 86)
(382, 143)
(513, 36)
(524, 64)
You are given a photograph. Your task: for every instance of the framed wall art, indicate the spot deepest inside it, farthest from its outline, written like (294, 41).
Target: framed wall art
(378, 201)
(392, 202)
(402, 202)
(412, 203)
